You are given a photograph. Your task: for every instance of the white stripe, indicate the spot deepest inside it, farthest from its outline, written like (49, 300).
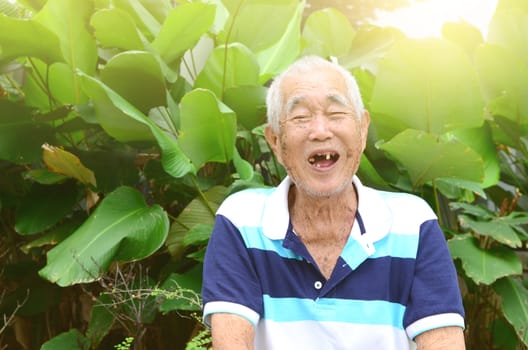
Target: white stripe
(225, 307)
(433, 322)
(309, 335)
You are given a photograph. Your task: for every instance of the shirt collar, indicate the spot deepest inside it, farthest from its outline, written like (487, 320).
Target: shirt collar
(374, 212)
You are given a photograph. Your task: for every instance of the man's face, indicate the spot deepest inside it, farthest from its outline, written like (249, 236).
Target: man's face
(321, 138)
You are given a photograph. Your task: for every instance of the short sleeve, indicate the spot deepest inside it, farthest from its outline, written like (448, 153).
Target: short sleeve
(435, 299)
(230, 283)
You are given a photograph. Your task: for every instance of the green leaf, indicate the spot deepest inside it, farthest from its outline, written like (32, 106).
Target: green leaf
(481, 141)
(504, 77)
(145, 21)
(327, 33)
(69, 20)
(198, 235)
(446, 185)
(122, 228)
(197, 212)
(369, 46)
(21, 140)
(44, 206)
(427, 157)
(484, 266)
(414, 89)
(514, 304)
(504, 336)
(249, 104)
(117, 116)
(497, 229)
(101, 321)
(116, 28)
(44, 176)
(183, 291)
(19, 38)
(56, 235)
(508, 29)
(182, 29)
(71, 340)
(137, 77)
(124, 171)
(243, 167)
(475, 210)
(208, 128)
(467, 36)
(275, 43)
(228, 67)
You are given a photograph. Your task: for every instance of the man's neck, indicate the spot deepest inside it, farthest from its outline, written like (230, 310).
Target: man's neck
(327, 216)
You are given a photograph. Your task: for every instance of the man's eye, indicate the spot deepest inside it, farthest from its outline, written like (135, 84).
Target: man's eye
(300, 118)
(338, 115)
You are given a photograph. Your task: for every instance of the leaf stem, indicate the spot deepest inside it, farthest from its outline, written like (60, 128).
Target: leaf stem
(203, 197)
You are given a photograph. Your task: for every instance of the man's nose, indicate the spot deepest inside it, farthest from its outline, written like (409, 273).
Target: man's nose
(320, 128)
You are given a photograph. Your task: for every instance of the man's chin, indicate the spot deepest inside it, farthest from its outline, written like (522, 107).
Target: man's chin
(322, 191)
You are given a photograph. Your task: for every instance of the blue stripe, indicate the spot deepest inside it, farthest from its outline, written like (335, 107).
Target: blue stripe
(334, 310)
(376, 279)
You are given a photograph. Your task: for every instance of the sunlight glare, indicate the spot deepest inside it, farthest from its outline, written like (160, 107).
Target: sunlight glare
(425, 19)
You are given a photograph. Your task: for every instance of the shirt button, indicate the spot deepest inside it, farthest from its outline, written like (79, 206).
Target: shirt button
(318, 285)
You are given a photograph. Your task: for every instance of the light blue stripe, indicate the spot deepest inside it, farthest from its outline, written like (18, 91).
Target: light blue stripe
(398, 246)
(394, 245)
(254, 238)
(372, 312)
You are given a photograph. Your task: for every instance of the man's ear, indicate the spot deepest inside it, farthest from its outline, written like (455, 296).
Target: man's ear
(365, 122)
(273, 140)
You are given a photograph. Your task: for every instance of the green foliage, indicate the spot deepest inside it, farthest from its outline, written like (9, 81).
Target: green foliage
(124, 125)
(125, 344)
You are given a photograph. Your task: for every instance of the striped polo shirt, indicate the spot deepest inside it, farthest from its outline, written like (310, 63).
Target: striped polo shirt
(394, 279)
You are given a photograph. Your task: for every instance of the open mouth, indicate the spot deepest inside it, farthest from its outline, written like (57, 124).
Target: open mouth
(323, 160)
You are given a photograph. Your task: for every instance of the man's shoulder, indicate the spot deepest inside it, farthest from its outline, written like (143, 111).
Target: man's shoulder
(406, 204)
(245, 203)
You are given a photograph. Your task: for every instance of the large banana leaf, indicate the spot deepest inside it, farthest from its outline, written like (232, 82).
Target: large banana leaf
(481, 141)
(72, 340)
(227, 67)
(182, 28)
(428, 85)
(514, 299)
(327, 33)
(198, 212)
(17, 120)
(208, 128)
(19, 38)
(276, 43)
(148, 88)
(116, 28)
(508, 28)
(44, 206)
(427, 157)
(147, 23)
(111, 105)
(504, 77)
(484, 266)
(122, 228)
(69, 19)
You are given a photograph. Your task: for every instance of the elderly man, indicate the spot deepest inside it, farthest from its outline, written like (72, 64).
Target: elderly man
(323, 262)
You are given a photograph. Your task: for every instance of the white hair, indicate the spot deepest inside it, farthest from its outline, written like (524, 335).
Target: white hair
(304, 65)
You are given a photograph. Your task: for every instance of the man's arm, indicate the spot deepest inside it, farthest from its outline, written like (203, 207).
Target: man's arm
(231, 332)
(445, 338)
